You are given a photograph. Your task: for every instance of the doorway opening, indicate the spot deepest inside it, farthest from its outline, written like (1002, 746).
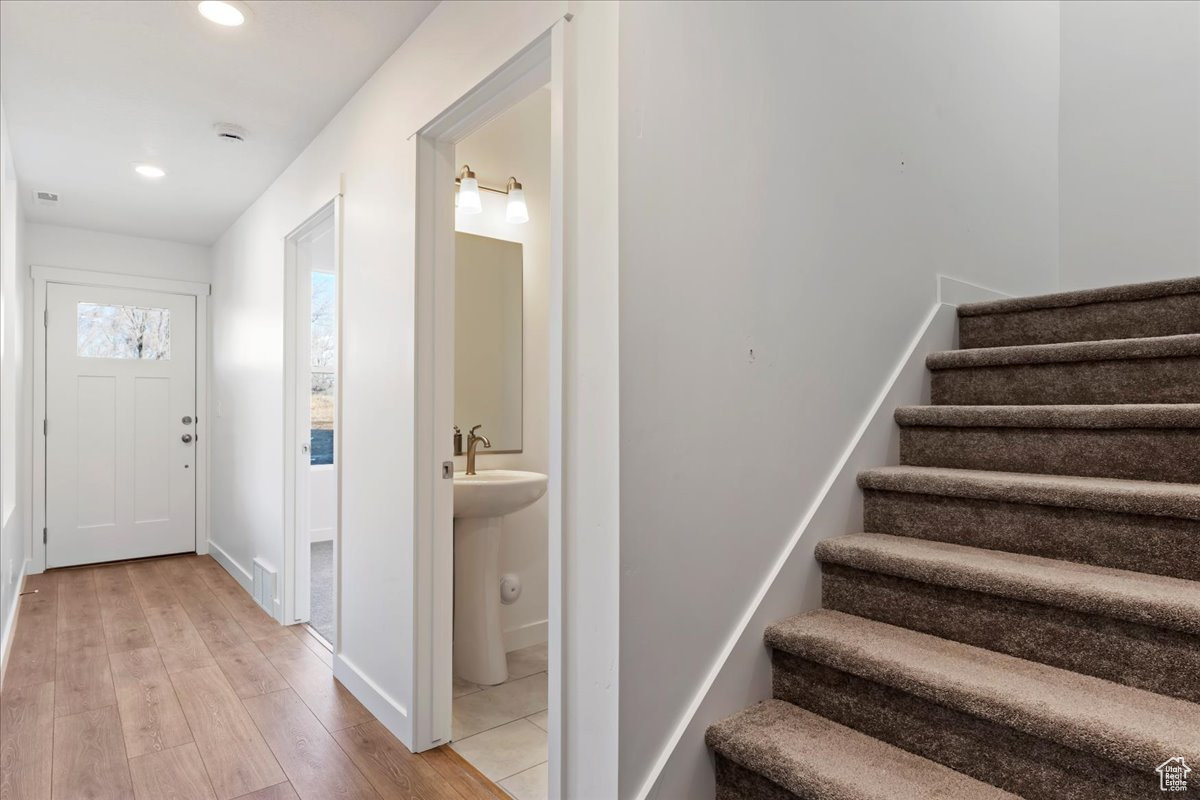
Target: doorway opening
(501, 395)
(517, 660)
(311, 422)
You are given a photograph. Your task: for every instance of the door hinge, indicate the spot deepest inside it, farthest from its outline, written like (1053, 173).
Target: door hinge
(45, 427)
(46, 318)
(44, 535)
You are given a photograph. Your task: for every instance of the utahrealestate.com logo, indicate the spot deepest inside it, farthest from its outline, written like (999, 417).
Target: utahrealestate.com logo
(1173, 775)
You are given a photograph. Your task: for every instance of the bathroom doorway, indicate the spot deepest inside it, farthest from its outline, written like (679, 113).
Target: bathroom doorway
(505, 719)
(501, 406)
(311, 422)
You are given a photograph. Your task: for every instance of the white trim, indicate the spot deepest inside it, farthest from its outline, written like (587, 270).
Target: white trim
(239, 573)
(956, 292)
(87, 277)
(203, 436)
(243, 576)
(37, 547)
(872, 443)
(557, 643)
(433, 500)
(526, 635)
(525, 73)
(81, 277)
(295, 580)
(433, 556)
(386, 708)
(10, 624)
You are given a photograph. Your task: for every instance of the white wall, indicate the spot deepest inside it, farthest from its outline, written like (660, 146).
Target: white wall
(792, 178)
(518, 143)
(322, 502)
(77, 248)
(16, 392)
(366, 152)
(1130, 141)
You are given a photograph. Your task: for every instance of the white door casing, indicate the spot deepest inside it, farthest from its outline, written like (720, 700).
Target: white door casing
(120, 477)
(313, 246)
(538, 65)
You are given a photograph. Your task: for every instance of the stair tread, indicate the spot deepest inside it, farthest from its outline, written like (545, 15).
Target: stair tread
(1137, 415)
(812, 756)
(1116, 722)
(1116, 495)
(1108, 294)
(1134, 596)
(1177, 346)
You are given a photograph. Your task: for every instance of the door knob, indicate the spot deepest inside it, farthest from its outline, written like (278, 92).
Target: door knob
(187, 438)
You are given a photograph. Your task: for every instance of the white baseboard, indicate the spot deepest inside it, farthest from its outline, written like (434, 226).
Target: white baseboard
(386, 709)
(10, 622)
(957, 292)
(526, 635)
(240, 573)
(243, 577)
(741, 671)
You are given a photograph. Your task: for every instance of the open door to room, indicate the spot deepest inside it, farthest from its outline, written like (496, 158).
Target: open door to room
(489, 362)
(312, 421)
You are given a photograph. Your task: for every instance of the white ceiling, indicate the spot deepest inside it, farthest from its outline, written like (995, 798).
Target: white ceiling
(90, 88)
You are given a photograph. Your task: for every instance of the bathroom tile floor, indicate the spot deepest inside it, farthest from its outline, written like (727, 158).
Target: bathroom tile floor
(501, 730)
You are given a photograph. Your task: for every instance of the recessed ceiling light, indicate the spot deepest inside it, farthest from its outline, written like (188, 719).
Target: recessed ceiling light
(223, 12)
(149, 171)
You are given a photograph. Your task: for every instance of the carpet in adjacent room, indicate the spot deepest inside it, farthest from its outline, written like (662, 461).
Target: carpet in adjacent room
(321, 591)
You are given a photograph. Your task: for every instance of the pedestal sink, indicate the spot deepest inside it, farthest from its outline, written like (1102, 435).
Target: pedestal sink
(480, 502)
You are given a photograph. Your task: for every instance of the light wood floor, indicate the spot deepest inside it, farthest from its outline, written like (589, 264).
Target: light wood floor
(162, 679)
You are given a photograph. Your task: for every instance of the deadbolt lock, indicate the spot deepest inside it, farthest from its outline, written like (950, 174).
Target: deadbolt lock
(187, 438)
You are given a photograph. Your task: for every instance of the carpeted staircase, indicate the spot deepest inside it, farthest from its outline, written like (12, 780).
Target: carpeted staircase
(1022, 616)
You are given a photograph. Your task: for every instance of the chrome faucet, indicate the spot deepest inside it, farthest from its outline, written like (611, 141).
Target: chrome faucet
(473, 442)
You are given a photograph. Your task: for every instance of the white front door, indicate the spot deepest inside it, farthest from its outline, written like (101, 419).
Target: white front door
(120, 424)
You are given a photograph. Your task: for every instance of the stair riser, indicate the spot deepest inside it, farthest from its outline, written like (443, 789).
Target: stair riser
(1158, 316)
(1142, 656)
(1158, 545)
(735, 782)
(1138, 380)
(1152, 454)
(1029, 766)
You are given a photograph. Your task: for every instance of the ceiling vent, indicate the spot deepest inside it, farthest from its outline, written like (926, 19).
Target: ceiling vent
(45, 198)
(230, 133)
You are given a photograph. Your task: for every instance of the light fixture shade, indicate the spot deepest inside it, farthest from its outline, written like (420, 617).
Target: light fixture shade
(468, 196)
(516, 212)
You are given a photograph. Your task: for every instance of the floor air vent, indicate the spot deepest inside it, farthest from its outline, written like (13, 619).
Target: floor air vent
(264, 586)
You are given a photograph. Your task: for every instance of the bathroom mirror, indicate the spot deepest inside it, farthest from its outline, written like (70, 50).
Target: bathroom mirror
(488, 331)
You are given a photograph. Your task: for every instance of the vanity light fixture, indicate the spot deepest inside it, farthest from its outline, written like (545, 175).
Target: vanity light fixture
(468, 192)
(516, 211)
(468, 201)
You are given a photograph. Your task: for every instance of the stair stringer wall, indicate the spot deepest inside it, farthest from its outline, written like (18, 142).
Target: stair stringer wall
(741, 672)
